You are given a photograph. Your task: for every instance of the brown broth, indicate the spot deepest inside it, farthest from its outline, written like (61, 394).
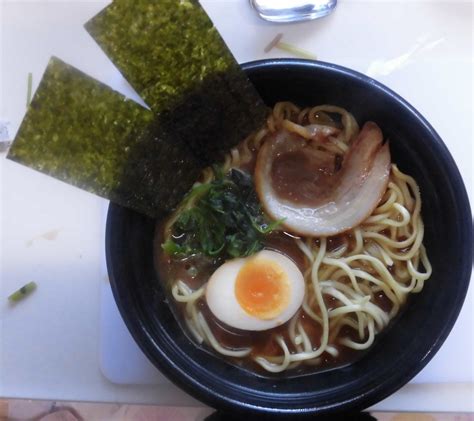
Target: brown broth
(336, 242)
(193, 270)
(285, 244)
(383, 301)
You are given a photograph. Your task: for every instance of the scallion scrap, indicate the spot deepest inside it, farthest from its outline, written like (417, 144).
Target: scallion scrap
(23, 292)
(289, 48)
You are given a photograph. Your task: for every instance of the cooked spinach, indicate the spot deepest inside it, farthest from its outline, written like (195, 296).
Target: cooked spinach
(225, 220)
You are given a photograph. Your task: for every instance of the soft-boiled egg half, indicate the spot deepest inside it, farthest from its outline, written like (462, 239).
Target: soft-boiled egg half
(259, 292)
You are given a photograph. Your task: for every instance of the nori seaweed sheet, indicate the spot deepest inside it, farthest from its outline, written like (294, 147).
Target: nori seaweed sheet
(84, 133)
(173, 56)
(158, 173)
(215, 116)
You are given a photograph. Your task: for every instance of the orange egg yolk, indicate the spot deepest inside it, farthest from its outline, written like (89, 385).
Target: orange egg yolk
(262, 288)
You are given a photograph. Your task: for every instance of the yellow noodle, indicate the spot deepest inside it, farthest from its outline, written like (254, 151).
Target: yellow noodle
(276, 368)
(359, 346)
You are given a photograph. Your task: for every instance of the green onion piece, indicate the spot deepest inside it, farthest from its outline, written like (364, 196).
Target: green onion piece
(295, 50)
(29, 88)
(21, 293)
(170, 247)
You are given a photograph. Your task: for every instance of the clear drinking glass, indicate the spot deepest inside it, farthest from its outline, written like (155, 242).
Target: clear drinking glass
(292, 10)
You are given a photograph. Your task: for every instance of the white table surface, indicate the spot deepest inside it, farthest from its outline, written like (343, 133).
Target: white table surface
(52, 233)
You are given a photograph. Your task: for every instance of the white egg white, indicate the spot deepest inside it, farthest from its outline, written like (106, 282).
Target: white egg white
(221, 299)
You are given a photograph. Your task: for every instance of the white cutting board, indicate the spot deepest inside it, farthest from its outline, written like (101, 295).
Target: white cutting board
(121, 360)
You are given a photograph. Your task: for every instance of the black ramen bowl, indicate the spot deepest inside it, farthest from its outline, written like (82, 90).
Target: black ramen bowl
(400, 352)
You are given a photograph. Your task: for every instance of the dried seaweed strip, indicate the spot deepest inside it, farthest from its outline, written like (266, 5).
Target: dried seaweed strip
(215, 116)
(163, 48)
(78, 129)
(82, 132)
(158, 173)
(176, 60)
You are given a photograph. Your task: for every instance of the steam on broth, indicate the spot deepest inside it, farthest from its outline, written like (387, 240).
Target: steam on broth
(299, 248)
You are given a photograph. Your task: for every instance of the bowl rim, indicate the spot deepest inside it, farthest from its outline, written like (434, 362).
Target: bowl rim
(382, 389)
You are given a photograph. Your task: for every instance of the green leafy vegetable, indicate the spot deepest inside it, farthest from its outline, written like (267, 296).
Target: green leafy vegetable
(225, 220)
